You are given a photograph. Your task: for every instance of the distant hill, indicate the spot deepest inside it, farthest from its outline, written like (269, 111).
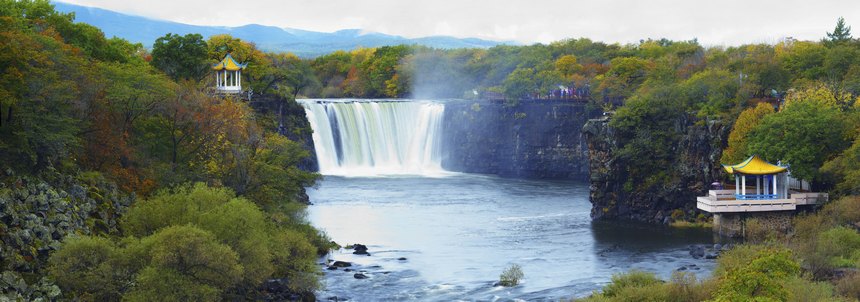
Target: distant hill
(301, 42)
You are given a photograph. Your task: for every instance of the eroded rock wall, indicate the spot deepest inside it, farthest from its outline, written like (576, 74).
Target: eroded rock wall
(695, 165)
(534, 139)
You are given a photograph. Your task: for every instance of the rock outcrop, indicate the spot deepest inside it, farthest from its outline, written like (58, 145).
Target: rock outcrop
(694, 165)
(534, 139)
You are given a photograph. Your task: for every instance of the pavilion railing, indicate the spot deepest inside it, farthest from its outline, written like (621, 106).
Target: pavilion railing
(755, 196)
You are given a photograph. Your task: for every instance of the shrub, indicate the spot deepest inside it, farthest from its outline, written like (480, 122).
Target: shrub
(802, 290)
(839, 245)
(185, 262)
(763, 277)
(849, 286)
(83, 268)
(757, 232)
(511, 276)
(632, 279)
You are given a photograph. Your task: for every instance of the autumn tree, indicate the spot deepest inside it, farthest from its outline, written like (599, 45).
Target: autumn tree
(738, 138)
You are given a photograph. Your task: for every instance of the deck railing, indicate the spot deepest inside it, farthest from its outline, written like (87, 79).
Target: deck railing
(755, 196)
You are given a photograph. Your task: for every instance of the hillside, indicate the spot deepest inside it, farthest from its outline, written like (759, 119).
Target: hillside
(269, 38)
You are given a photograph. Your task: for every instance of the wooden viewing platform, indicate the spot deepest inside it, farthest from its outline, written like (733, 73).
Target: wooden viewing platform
(725, 201)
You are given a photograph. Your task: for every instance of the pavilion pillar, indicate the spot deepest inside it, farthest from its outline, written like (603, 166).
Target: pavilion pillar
(758, 184)
(239, 74)
(737, 184)
(775, 176)
(743, 184)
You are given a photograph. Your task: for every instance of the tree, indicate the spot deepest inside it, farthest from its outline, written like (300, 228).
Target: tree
(736, 151)
(624, 76)
(185, 263)
(844, 170)
(87, 267)
(181, 57)
(841, 33)
(520, 84)
(803, 135)
(567, 65)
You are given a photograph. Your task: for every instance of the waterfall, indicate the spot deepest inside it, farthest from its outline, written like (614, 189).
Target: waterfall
(367, 138)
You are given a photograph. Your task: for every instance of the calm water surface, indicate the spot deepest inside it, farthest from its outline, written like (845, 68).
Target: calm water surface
(459, 232)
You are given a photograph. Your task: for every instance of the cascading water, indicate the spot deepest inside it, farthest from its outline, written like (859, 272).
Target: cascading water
(383, 137)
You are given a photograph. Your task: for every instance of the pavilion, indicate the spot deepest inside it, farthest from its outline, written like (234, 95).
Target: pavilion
(762, 190)
(770, 180)
(759, 187)
(228, 75)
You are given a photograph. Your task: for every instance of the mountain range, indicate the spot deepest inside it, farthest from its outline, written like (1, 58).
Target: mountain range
(270, 38)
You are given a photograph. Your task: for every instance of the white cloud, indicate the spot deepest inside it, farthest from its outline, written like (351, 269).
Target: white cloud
(712, 22)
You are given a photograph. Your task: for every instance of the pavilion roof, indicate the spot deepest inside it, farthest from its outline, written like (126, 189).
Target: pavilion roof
(754, 166)
(228, 63)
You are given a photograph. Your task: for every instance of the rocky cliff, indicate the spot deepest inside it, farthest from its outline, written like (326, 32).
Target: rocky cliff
(693, 167)
(534, 139)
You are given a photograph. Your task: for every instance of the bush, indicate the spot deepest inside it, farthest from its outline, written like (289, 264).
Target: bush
(802, 290)
(849, 286)
(623, 282)
(757, 232)
(757, 273)
(83, 268)
(839, 245)
(511, 276)
(185, 262)
(683, 287)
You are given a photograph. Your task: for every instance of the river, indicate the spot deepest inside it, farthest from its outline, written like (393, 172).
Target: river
(457, 232)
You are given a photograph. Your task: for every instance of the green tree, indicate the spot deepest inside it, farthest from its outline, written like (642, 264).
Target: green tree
(181, 57)
(88, 268)
(803, 135)
(185, 263)
(844, 170)
(520, 84)
(841, 33)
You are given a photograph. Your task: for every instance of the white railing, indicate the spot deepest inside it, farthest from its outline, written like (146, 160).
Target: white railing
(734, 206)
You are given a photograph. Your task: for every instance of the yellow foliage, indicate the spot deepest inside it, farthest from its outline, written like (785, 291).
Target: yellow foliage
(819, 94)
(746, 122)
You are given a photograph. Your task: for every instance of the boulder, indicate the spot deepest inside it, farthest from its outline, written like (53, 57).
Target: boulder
(360, 276)
(341, 264)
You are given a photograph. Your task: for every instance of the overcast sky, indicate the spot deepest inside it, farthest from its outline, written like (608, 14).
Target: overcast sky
(714, 22)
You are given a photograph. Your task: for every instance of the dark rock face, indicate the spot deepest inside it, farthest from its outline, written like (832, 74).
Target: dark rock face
(535, 139)
(296, 126)
(695, 165)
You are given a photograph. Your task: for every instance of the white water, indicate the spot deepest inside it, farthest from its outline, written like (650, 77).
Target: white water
(377, 137)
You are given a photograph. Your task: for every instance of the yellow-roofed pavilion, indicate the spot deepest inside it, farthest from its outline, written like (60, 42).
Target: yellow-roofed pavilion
(228, 75)
(770, 180)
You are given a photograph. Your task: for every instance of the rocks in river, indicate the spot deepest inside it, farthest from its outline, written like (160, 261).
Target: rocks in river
(699, 251)
(402, 258)
(332, 268)
(341, 264)
(360, 249)
(691, 267)
(360, 276)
